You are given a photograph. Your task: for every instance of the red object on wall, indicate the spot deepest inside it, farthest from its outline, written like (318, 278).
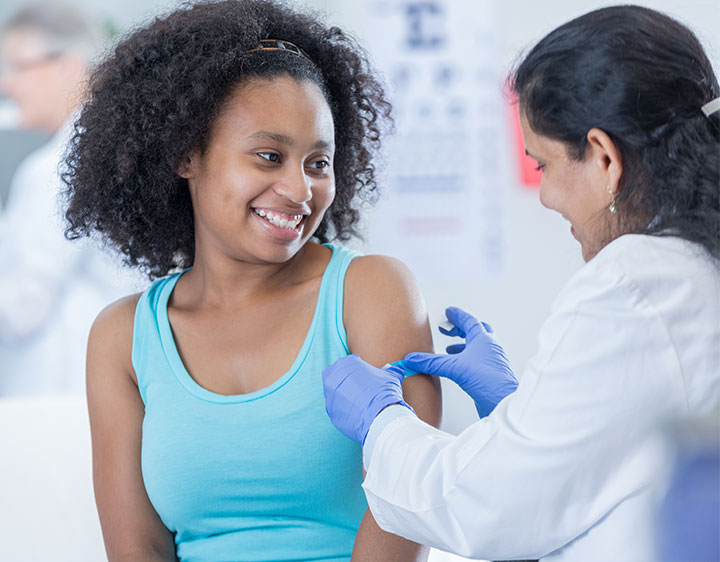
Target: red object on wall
(530, 176)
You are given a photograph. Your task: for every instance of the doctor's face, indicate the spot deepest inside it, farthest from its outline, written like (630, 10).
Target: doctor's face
(573, 188)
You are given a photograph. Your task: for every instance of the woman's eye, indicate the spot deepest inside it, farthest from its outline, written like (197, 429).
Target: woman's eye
(320, 164)
(540, 167)
(269, 156)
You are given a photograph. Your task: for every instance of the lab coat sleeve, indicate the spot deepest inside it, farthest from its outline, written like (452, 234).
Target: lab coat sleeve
(554, 457)
(34, 255)
(381, 421)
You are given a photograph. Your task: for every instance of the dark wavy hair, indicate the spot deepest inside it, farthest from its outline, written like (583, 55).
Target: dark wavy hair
(641, 77)
(153, 101)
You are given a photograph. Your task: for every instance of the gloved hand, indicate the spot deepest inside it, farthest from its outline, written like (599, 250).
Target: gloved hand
(356, 392)
(478, 366)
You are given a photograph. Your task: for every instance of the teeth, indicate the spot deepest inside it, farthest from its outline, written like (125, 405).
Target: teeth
(279, 221)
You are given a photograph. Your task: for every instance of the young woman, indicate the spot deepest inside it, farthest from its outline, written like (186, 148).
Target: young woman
(230, 141)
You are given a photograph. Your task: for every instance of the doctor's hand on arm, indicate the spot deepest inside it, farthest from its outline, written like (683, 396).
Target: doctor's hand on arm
(479, 366)
(356, 392)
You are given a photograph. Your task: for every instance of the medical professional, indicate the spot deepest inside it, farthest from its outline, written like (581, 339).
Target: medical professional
(621, 110)
(50, 288)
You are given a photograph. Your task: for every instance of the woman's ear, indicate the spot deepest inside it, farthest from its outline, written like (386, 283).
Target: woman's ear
(186, 169)
(607, 158)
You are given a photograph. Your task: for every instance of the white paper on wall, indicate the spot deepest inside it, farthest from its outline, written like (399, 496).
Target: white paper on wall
(441, 211)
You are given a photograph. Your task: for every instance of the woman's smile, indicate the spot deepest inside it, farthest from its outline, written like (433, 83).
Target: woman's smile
(281, 225)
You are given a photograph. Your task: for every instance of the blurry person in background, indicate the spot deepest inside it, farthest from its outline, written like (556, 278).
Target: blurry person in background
(50, 289)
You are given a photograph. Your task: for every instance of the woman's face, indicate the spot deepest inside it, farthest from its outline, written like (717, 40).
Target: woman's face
(265, 180)
(577, 189)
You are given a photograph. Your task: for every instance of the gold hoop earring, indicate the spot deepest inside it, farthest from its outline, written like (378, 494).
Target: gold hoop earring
(613, 206)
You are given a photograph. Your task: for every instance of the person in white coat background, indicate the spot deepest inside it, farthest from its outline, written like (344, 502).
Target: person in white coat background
(50, 288)
(621, 109)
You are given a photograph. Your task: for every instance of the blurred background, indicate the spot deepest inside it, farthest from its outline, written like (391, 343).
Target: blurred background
(459, 205)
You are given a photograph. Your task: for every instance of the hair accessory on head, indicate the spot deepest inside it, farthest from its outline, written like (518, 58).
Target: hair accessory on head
(713, 106)
(279, 45)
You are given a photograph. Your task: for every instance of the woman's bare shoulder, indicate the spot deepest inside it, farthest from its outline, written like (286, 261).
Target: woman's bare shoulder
(117, 317)
(384, 286)
(384, 307)
(111, 335)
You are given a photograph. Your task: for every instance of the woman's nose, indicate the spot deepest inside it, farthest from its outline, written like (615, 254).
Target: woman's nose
(295, 186)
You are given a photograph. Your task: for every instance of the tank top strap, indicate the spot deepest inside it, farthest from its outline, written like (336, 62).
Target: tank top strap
(332, 292)
(147, 341)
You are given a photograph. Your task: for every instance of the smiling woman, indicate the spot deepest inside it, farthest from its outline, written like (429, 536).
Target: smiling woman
(225, 145)
(270, 153)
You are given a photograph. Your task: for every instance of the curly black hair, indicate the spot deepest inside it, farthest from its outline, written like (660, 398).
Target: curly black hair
(153, 101)
(641, 77)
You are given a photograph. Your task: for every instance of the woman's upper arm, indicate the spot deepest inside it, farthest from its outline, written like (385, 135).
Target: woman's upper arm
(386, 318)
(131, 528)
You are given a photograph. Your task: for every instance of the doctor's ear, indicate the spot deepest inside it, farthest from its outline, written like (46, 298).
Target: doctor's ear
(186, 169)
(606, 157)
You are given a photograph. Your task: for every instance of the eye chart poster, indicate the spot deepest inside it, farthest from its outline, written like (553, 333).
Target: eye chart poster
(441, 210)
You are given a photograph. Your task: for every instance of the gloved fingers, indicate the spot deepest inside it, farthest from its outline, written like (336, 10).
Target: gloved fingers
(467, 324)
(455, 348)
(430, 363)
(488, 327)
(395, 369)
(340, 368)
(336, 374)
(484, 407)
(452, 332)
(353, 357)
(333, 376)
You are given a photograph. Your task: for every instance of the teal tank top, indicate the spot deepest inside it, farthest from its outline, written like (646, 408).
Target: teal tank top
(258, 476)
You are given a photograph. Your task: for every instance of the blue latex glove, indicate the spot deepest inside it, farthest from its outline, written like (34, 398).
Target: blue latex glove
(356, 392)
(479, 366)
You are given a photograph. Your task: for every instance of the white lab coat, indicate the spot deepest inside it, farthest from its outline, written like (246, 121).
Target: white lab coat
(51, 289)
(567, 468)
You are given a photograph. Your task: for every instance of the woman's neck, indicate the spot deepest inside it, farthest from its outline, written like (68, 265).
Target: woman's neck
(218, 281)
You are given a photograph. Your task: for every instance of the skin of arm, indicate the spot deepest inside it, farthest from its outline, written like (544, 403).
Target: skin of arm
(385, 318)
(132, 530)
